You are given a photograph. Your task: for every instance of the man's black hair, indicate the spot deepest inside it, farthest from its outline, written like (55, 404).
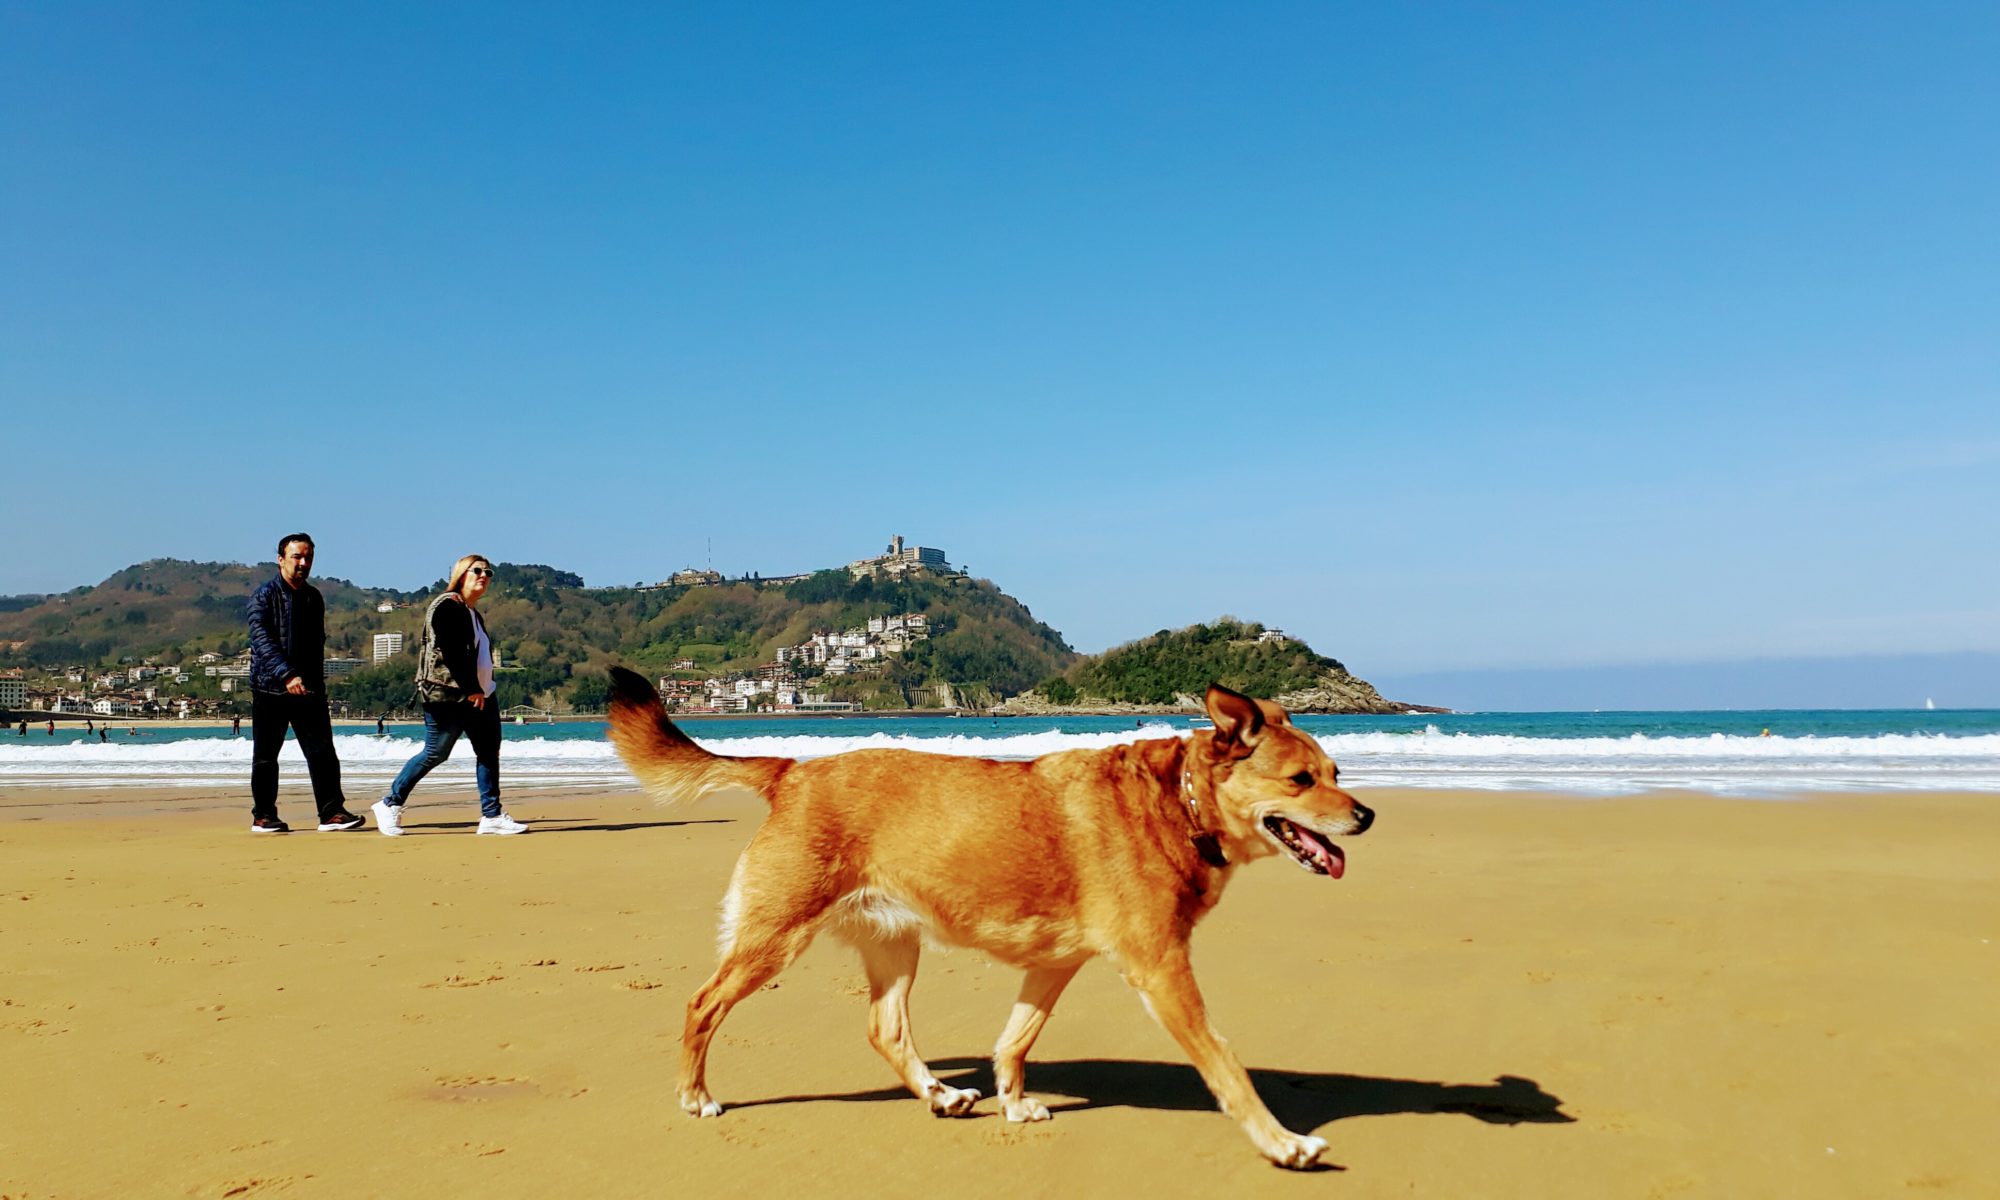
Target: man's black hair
(289, 538)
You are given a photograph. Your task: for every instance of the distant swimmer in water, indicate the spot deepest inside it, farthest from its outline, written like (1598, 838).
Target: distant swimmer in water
(1766, 733)
(104, 735)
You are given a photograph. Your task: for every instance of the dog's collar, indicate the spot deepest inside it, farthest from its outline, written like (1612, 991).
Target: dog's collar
(1206, 843)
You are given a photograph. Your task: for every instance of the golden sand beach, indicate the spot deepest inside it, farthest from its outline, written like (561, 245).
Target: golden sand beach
(1508, 996)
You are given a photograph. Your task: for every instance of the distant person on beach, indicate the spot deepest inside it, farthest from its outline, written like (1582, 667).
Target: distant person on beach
(382, 728)
(236, 725)
(89, 726)
(104, 735)
(52, 728)
(455, 683)
(288, 691)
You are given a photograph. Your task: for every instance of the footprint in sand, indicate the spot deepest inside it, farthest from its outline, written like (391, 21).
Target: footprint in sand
(461, 981)
(480, 1088)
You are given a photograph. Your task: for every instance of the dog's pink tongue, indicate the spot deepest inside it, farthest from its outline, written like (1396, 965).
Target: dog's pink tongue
(1323, 852)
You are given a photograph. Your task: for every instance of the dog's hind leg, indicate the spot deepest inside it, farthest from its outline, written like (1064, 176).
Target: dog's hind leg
(1039, 992)
(1169, 990)
(769, 917)
(892, 970)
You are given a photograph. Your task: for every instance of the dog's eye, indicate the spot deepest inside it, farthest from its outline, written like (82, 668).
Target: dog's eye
(1303, 779)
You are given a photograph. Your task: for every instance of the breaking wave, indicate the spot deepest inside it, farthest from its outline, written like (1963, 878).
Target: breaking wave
(1426, 756)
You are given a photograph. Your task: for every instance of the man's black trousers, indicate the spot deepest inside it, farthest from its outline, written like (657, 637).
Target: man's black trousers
(271, 713)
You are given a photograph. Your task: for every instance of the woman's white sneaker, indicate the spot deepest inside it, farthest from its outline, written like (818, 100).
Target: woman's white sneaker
(388, 818)
(501, 824)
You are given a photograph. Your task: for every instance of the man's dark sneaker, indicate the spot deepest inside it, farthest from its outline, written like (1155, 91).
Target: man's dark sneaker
(268, 825)
(341, 820)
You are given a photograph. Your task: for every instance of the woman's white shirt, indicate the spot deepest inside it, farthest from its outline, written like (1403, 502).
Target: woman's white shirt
(485, 648)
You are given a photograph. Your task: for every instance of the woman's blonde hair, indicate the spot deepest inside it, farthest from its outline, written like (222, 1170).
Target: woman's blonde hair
(455, 582)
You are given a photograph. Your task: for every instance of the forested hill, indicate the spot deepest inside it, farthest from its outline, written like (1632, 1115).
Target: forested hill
(556, 637)
(1172, 668)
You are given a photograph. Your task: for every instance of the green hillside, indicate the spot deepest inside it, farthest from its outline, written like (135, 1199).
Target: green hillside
(555, 637)
(158, 607)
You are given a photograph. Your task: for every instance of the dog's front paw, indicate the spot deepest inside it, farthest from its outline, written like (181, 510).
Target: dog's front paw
(951, 1101)
(1027, 1108)
(1296, 1151)
(700, 1104)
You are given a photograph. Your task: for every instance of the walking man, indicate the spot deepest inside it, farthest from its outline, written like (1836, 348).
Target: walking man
(288, 690)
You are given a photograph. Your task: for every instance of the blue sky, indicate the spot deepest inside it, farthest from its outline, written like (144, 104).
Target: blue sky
(1444, 336)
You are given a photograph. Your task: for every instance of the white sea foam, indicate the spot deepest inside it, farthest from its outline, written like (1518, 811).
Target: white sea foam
(1431, 757)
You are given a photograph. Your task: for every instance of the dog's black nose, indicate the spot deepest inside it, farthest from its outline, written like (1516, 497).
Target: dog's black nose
(1363, 818)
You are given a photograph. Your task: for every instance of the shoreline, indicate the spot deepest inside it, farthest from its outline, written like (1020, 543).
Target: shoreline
(37, 719)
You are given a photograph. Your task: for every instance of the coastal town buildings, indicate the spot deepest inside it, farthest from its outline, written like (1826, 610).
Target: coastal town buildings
(847, 651)
(781, 685)
(742, 694)
(13, 693)
(386, 646)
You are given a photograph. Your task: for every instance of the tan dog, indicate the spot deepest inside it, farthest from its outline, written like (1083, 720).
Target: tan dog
(1042, 864)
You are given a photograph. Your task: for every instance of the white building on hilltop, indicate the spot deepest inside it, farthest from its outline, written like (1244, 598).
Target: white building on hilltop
(899, 559)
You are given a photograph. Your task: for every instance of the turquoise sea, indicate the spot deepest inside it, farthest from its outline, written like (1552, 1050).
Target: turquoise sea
(1752, 754)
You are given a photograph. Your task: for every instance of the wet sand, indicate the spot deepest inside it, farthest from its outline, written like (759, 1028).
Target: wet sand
(1507, 996)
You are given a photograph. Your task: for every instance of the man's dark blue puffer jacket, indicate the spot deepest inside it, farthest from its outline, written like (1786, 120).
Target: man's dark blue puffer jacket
(287, 636)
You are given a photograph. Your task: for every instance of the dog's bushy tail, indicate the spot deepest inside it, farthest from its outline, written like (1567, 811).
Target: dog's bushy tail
(673, 769)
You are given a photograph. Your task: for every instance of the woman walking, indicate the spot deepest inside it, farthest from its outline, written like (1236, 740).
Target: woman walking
(455, 683)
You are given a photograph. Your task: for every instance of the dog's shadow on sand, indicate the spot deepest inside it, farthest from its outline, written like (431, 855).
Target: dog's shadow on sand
(1300, 1100)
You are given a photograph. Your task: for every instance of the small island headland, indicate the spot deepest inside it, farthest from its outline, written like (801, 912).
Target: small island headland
(1166, 674)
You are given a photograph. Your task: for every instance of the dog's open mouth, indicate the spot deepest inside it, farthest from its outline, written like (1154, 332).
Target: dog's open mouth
(1307, 848)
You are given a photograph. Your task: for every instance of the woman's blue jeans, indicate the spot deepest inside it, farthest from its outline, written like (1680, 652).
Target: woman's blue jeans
(443, 723)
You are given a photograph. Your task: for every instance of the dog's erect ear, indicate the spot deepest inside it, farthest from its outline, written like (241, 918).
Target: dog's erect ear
(1274, 713)
(1239, 721)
